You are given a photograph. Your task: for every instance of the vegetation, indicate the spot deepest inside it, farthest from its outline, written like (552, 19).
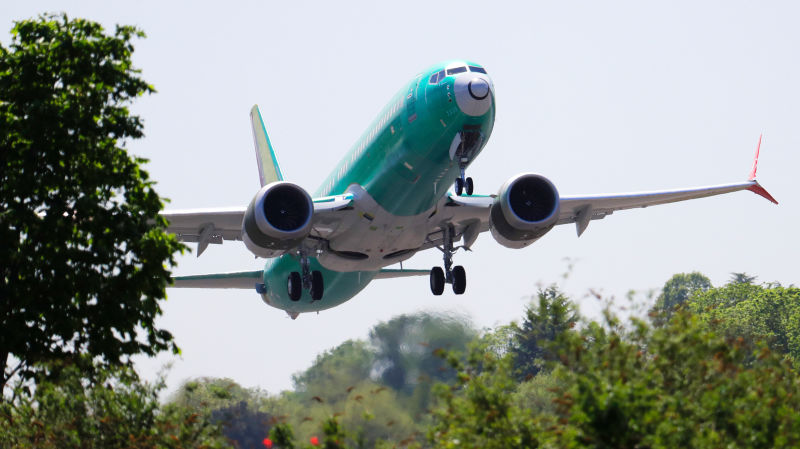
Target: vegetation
(717, 372)
(85, 262)
(112, 409)
(84, 250)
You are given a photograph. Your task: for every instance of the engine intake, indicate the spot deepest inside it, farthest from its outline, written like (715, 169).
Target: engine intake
(525, 209)
(277, 220)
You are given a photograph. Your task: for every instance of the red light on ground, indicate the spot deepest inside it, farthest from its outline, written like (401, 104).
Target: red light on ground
(314, 441)
(267, 443)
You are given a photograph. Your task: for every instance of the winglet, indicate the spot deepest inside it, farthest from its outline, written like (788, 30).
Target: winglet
(268, 168)
(756, 187)
(755, 160)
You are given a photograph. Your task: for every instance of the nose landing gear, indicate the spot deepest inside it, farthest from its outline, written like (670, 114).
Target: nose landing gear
(464, 185)
(308, 280)
(450, 275)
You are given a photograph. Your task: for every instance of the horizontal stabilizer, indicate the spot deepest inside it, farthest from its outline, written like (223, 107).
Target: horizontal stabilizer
(242, 279)
(388, 273)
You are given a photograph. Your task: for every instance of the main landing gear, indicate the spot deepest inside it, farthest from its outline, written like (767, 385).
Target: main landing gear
(308, 280)
(463, 184)
(450, 275)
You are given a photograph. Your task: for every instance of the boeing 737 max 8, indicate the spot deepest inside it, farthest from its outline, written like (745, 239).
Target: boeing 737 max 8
(390, 198)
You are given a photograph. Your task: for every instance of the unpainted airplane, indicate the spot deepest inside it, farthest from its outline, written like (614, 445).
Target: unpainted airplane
(390, 198)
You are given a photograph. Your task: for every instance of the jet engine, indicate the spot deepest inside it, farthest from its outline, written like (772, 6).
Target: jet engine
(525, 209)
(277, 220)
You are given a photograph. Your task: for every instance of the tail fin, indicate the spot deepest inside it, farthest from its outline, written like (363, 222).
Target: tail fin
(268, 168)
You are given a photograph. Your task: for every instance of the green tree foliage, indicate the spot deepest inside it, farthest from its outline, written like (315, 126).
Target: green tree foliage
(84, 251)
(334, 371)
(755, 312)
(479, 410)
(680, 385)
(676, 291)
(534, 341)
(242, 424)
(112, 409)
(404, 348)
(742, 278)
(696, 380)
(683, 384)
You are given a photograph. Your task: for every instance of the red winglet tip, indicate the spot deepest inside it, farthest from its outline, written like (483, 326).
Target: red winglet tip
(755, 161)
(758, 190)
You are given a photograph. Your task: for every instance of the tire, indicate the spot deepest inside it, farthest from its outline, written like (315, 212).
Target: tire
(468, 186)
(459, 280)
(317, 286)
(295, 286)
(459, 186)
(437, 280)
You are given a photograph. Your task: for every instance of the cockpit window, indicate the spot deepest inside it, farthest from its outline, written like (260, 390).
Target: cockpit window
(434, 78)
(456, 70)
(473, 68)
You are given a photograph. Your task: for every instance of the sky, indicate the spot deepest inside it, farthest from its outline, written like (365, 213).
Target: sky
(600, 97)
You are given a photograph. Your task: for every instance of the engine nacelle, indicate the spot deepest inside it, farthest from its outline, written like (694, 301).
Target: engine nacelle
(278, 219)
(525, 209)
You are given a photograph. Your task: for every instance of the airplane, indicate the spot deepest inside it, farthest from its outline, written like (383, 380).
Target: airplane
(390, 198)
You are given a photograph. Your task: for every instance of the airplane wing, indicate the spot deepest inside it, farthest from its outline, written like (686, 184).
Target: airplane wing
(581, 209)
(213, 226)
(469, 215)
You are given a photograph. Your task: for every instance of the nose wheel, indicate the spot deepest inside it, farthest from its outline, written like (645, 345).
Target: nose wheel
(456, 276)
(463, 184)
(308, 280)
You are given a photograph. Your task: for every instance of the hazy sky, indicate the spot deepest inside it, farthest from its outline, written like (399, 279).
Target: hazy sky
(598, 96)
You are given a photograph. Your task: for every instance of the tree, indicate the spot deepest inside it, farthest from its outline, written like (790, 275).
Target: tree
(404, 348)
(754, 312)
(533, 341)
(111, 410)
(84, 252)
(676, 291)
(684, 384)
(614, 384)
(742, 278)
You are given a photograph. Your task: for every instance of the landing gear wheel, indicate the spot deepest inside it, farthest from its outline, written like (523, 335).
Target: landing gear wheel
(437, 280)
(317, 287)
(468, 186)
(459, 280)
(459, 186)
(295, 286)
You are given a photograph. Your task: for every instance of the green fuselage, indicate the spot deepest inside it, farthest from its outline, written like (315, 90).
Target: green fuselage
(404, 161)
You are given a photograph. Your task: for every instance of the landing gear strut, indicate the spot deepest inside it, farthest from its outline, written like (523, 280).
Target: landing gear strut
(307, 280)
(450, 275)
(463, 184)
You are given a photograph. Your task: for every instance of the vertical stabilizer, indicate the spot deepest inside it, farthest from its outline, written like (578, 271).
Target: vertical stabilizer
(268, 168)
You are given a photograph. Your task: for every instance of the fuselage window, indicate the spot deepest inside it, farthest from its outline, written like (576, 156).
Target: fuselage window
(472, 68)
(434, 79)
(456, 70)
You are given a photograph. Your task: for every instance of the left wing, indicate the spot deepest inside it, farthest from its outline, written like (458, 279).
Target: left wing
(581, 209)
(467, 216)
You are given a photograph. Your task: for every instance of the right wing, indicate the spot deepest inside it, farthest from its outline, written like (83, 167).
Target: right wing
(213, 226)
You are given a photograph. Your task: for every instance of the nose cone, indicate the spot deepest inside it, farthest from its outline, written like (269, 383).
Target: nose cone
(473, 93)
(478, 88)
